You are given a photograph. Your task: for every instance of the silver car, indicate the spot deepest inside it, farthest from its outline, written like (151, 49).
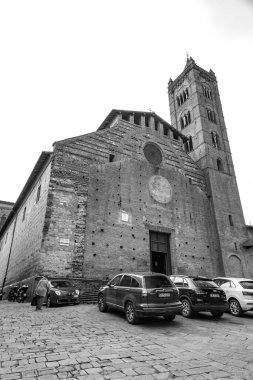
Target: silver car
(239, 293)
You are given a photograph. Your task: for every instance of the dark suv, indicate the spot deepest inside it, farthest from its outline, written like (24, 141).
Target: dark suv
(140, 295)
(200, 294)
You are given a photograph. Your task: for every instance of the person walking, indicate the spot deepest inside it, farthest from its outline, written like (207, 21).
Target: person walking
(41, 291)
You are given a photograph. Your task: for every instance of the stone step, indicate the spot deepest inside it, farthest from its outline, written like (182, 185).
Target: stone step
(89, 297)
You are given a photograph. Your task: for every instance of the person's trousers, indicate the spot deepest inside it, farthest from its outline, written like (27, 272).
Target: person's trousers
(40, 300)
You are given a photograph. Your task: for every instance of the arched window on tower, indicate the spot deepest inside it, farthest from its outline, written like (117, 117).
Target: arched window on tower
(185, 119)
(182, 122)
(188, 146)
(207, 92)
(182, 97)
(188, 117)
(215, 139)
(219, 165)
(211, 115)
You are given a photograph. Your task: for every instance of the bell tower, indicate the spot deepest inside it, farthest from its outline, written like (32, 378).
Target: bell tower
(196, 111)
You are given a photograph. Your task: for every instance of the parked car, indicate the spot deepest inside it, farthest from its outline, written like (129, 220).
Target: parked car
(239, 293)
(140, 295)
(200, 294)
(62, 291)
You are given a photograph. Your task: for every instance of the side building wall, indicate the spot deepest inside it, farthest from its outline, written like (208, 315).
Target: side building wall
(21, 242)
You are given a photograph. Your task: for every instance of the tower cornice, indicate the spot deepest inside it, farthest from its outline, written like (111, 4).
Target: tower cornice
(190, 65)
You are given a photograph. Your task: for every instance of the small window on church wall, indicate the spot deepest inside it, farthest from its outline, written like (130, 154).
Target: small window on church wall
(137, 119)
(111, 157)
(175, 135)
(165, 130)
(146, 121)
(156, 125)
(38, 194)
(125, 116)
(230, 220)
(219, 165)
(24, 212)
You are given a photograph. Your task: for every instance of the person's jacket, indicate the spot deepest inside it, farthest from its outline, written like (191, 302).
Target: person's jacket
(42, 287)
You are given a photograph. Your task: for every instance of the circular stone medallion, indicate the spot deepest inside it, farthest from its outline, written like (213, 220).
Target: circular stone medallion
(160, 189)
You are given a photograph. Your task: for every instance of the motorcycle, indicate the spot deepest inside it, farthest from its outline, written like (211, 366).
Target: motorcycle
(22, 293)
(13, 293)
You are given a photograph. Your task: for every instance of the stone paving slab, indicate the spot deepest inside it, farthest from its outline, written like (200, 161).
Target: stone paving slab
(79, 342)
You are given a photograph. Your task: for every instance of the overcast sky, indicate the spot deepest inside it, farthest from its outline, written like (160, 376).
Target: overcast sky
(65, 64)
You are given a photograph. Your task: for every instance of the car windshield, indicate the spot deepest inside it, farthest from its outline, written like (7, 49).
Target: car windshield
(246, 284)
(157, 282)
(201, 283)
(61, 284)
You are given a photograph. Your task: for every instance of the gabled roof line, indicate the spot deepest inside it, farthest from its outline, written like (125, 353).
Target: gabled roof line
(116, 112)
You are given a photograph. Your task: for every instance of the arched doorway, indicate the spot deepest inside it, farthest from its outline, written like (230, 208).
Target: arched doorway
(235, 266)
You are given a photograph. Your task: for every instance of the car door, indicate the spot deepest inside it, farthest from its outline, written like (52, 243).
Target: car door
(112, 290)
(227, 287)
(123, 290)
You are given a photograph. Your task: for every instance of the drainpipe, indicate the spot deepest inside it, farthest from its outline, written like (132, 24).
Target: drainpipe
(7, 266)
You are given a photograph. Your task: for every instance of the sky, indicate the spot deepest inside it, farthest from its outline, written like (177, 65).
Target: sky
(64, 65)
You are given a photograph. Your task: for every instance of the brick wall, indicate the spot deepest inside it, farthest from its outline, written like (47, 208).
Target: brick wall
(24, 235)
(84, 233)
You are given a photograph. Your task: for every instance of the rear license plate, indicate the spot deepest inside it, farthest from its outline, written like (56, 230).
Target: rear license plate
(164, 295)
(215, 295)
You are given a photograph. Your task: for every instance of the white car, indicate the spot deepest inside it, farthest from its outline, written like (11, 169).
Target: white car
(239, 293)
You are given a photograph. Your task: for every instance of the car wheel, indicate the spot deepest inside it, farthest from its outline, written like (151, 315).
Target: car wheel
(217, 314)
(235, 308)
(187, 309)
(169, 317)
(49, 302)
(102, 304)
(130, 313)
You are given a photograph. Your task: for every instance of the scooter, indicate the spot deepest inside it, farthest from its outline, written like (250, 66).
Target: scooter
(13, 293)
(22, 293)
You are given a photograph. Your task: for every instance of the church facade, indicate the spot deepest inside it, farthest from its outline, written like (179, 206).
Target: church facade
(138, 194)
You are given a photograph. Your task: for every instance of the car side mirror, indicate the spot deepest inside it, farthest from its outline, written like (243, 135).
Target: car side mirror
(109, 284)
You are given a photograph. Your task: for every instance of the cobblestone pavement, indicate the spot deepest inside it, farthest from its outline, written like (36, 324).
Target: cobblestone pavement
(79, 342)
